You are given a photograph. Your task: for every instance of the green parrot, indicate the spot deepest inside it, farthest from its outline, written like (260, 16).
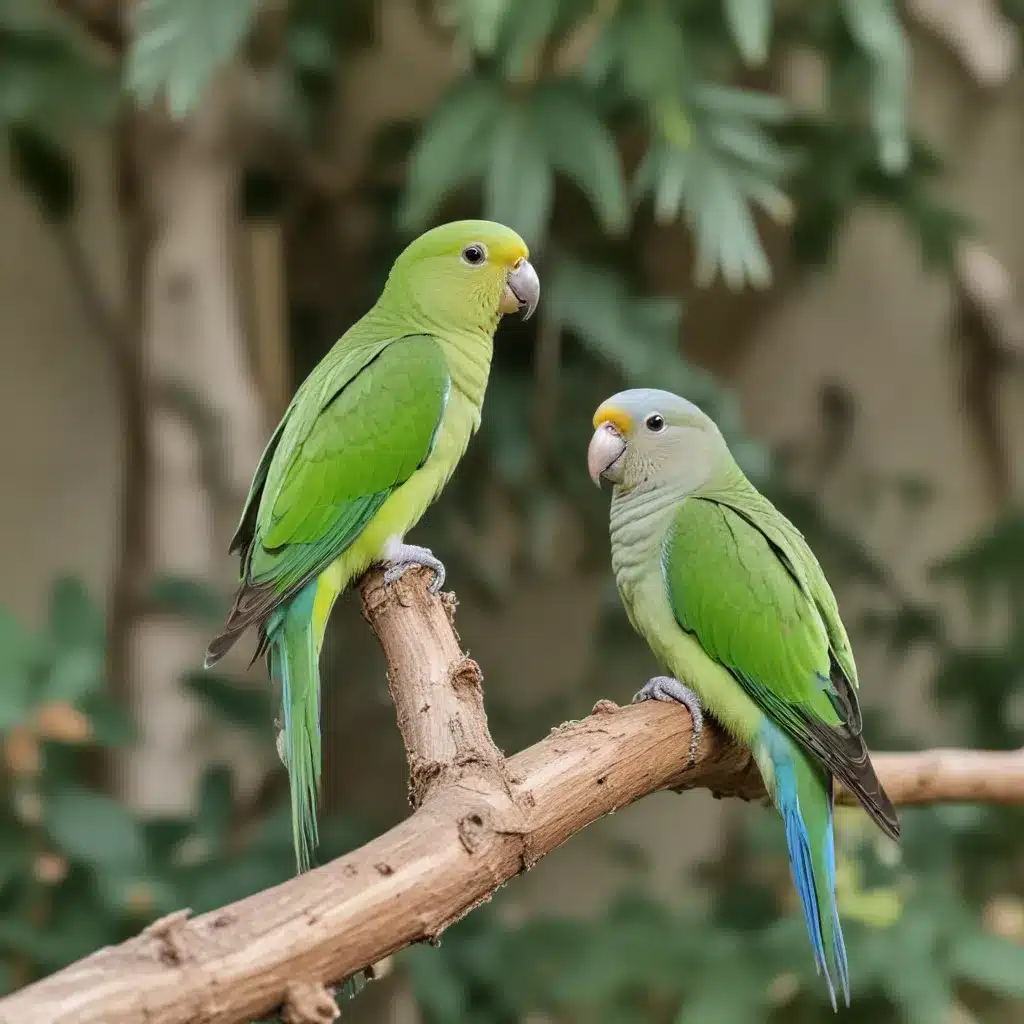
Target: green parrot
(369, 440)
(729, 596)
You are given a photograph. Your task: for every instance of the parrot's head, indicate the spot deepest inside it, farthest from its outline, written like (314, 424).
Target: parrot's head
(467, 271)
(645, 437)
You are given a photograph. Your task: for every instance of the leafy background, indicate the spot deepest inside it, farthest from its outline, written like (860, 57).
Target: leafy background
(582, 124)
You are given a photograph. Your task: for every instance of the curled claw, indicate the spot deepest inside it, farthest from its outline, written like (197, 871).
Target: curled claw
(405, 556)
(670, 690)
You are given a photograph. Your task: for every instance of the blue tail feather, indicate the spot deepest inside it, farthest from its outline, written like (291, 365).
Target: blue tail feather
(812, 858)
(841, 962)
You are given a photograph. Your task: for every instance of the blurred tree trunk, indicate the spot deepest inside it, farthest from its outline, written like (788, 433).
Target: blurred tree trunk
(203, 426)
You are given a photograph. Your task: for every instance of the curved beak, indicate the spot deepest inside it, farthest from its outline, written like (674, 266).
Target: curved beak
(604, 456)
(522, 290)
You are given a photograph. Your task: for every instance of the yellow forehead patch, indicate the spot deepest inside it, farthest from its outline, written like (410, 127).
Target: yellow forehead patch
(620, 420)
(509, 253)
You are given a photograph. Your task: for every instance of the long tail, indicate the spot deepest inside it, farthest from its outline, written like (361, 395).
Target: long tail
(802, 792)
(295, 635)
(294, 654)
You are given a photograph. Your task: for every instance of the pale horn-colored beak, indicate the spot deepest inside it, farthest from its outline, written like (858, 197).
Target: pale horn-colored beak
(522, 290)
(605, 453)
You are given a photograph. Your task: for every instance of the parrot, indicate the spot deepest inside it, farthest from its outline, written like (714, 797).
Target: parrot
(366, 445)
(730, 598)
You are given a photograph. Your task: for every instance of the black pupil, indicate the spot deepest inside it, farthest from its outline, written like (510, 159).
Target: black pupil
(473, 254)
(655, 422)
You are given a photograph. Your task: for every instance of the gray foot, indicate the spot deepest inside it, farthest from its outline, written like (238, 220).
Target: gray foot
(672, 691)
(405, 556)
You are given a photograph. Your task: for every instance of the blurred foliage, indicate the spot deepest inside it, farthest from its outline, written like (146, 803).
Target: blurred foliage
(581, 123)
(80, 870)
(180, 44)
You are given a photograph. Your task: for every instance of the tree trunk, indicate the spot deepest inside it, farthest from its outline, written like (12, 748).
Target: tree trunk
(203, 430)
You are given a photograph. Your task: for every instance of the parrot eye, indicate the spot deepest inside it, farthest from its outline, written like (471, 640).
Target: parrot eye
(655, 423)
(474, 254)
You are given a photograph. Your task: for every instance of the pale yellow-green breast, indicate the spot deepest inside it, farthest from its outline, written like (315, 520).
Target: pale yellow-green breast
(639, 522)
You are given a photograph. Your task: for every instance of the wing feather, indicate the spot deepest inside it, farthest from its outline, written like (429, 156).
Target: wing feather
(759, 604)
(351, 436)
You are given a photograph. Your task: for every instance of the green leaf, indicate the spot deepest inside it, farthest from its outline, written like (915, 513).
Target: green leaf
(216, 805)
(79, 931)
(19, 655)
(439, 989)
(582, 147)
(235, 877)
(712, 194)
(711, 178)
(480, 22)
(749, 145)
(993, 559)
(632, 334)
(991, 962)
(311, 49)
(29, 17)
(74, 619)
(453, 148)
(748, 104)
(45, 170)
(112, 726)
(178, 45)
(520, 186)
(193, 599)
(645, 46)
(915, 977)
(47, 80)
(750, 22)
(239, 703)
(523, 36)
(717, 1002)
(165, 835)
(74, 676)
(876, 27)
(94, 828)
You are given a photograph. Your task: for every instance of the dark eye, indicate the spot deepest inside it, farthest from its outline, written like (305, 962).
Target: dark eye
(655, 423)
(474, 254)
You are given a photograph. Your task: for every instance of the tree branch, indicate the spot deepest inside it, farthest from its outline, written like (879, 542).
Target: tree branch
(480, 820)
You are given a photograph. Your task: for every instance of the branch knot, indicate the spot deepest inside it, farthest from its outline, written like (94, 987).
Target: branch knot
(309, 1003)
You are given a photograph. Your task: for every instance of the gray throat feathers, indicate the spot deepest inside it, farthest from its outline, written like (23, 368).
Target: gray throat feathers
(638, 522)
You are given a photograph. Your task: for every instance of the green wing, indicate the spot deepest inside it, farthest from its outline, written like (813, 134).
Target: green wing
(355, 431)
(754, 601)
(793, 551)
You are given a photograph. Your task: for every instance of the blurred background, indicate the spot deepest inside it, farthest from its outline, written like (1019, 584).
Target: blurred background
(805, 215)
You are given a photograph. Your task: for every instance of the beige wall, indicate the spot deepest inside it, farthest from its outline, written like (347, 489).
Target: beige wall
(59, 428)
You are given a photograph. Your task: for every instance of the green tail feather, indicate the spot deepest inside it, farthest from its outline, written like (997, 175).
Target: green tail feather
(295, 662)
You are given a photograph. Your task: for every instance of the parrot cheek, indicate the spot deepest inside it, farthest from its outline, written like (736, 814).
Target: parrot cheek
(509, 303)
(605, 455)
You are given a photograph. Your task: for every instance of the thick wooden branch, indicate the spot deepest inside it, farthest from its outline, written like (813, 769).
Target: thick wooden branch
(479, 821)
